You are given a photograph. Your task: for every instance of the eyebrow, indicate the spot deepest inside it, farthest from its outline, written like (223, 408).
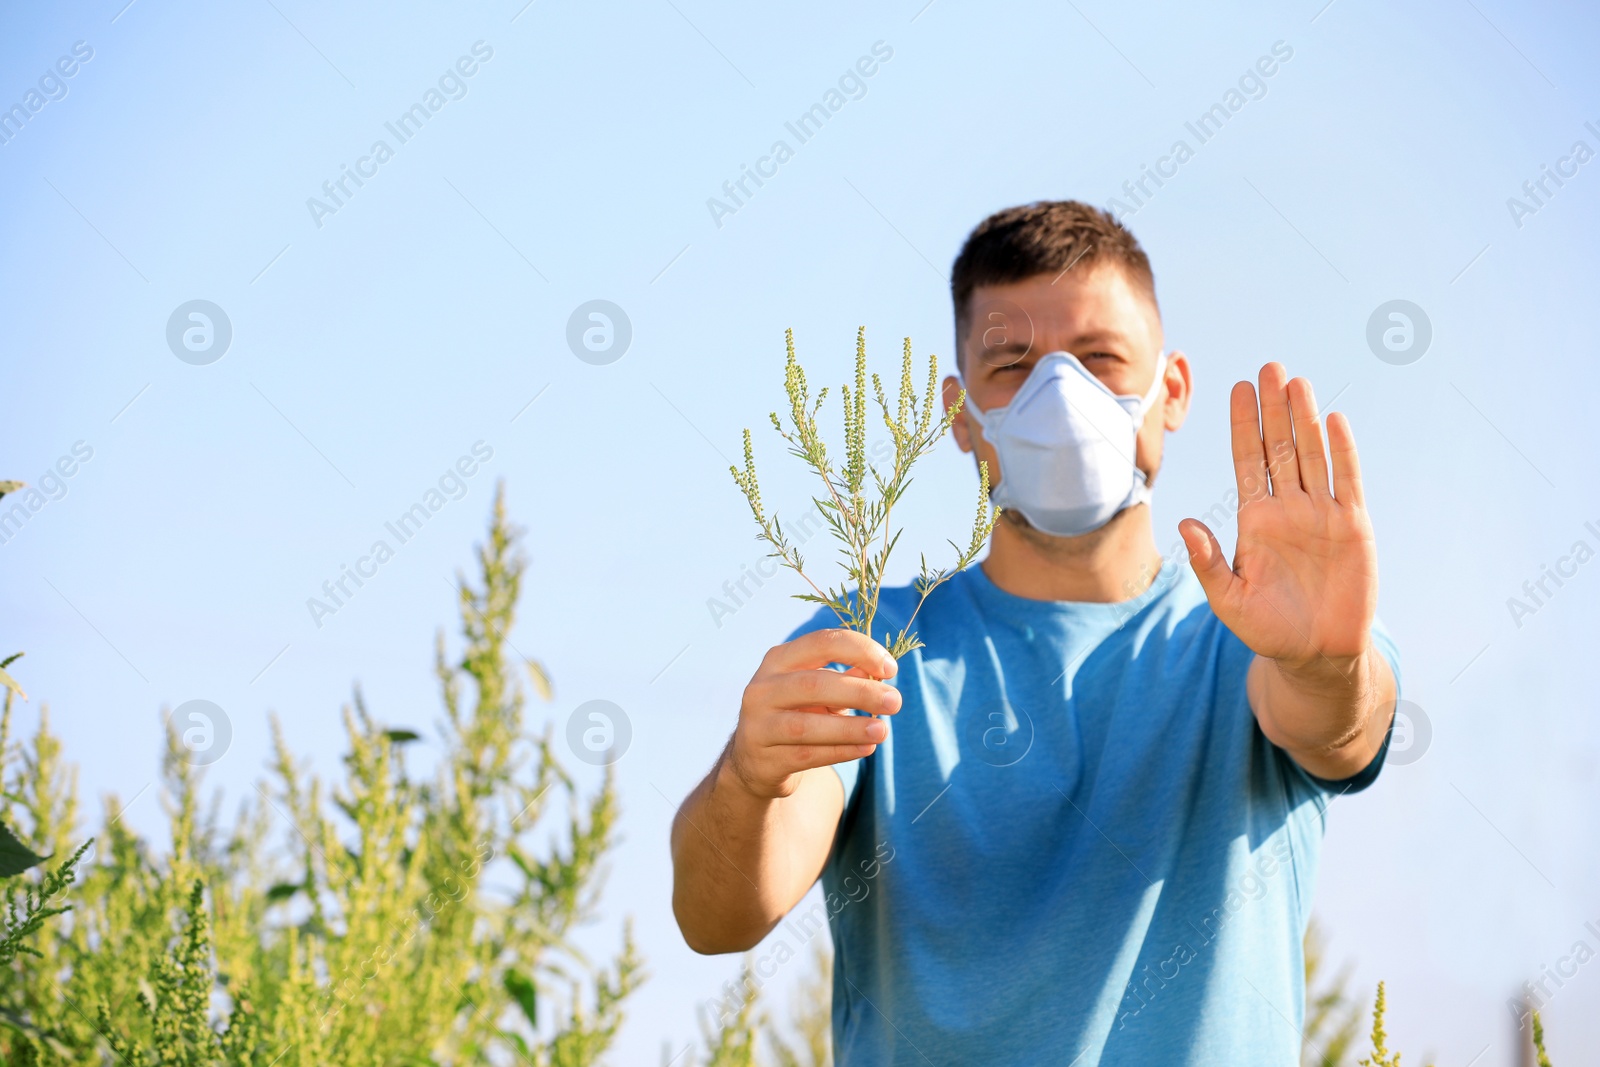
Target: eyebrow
(1093, 337)
(1101, 337)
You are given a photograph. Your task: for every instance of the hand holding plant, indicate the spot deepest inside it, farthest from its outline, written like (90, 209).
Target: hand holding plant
(859, 520)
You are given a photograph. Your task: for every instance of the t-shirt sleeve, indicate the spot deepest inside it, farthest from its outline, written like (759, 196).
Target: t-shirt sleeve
(850, 770)
(1368, 774)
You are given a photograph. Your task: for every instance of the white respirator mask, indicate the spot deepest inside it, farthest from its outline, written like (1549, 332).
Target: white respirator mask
(1066, 446)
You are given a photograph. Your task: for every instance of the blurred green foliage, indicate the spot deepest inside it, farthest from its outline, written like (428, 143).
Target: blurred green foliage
(387, 918)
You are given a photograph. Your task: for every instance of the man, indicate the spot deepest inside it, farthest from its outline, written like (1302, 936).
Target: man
(1083, 822)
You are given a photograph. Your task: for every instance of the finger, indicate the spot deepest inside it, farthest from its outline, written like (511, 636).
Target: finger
(1346, 465)
(1277, 429)
(826, 689)
(835, 645)
(1205, 556)
(803, 757)
(1249, 462)
(1308, 438)
(809, 728)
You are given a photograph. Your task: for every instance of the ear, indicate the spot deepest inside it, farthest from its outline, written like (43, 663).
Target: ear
(959, 429)
(1180, 390)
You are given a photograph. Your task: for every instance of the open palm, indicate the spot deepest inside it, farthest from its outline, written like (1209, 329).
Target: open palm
(1303, 585)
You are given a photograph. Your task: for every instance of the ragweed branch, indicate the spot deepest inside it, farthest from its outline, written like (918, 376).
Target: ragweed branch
(858, 515)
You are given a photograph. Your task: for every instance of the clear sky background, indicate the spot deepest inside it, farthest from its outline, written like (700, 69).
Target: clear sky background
(371, 351)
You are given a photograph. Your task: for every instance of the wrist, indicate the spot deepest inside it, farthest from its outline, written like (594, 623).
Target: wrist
(732, 779)
(1322, 674)
(1317, 708)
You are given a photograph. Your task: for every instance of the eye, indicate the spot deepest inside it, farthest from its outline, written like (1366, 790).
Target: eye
(1002, 360)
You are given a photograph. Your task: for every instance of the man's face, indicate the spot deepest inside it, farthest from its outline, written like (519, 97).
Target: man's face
(1110, 325)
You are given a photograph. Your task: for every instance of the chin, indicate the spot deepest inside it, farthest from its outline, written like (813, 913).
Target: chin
(1036, 536)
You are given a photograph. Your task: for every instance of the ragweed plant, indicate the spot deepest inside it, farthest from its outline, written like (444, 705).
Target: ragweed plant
(27, 905)
(1381, 1056)
(1333, 1017)
(752, 1037)
(1538, 1041)
(1332, 1004)
(810, 1016)
(385, 919)
(734, 1043)
(859, 519)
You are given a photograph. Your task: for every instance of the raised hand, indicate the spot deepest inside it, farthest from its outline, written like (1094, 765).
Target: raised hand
(1303, 585)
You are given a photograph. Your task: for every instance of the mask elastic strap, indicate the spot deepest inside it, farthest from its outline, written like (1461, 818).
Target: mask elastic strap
(1148, 401)
(1142, 492)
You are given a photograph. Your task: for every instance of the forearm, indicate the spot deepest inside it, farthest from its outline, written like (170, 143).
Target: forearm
(741, 861)
(1330, 716)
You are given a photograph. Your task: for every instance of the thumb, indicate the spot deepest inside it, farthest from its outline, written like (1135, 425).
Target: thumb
(1205, 556)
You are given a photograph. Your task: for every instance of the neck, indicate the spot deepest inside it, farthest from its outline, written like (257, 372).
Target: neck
(1114, 563)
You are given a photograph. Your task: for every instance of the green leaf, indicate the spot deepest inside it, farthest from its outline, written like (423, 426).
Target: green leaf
(528, 868)
(282, 891)
(6, 680)
(541, 681)
(15, 857)
(522, 990)
(400, 737)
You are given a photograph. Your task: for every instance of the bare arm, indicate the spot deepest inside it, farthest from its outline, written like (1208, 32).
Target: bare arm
(740, 861)
(1303, 587)
(1331, 718)
(753, 835)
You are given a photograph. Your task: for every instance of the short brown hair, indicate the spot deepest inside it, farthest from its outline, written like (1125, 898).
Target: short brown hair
(1045, 237)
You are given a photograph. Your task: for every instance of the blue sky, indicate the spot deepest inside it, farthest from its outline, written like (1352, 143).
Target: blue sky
(375, 346)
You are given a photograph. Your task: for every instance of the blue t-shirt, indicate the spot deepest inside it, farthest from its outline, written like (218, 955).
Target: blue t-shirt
(1076, 846)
